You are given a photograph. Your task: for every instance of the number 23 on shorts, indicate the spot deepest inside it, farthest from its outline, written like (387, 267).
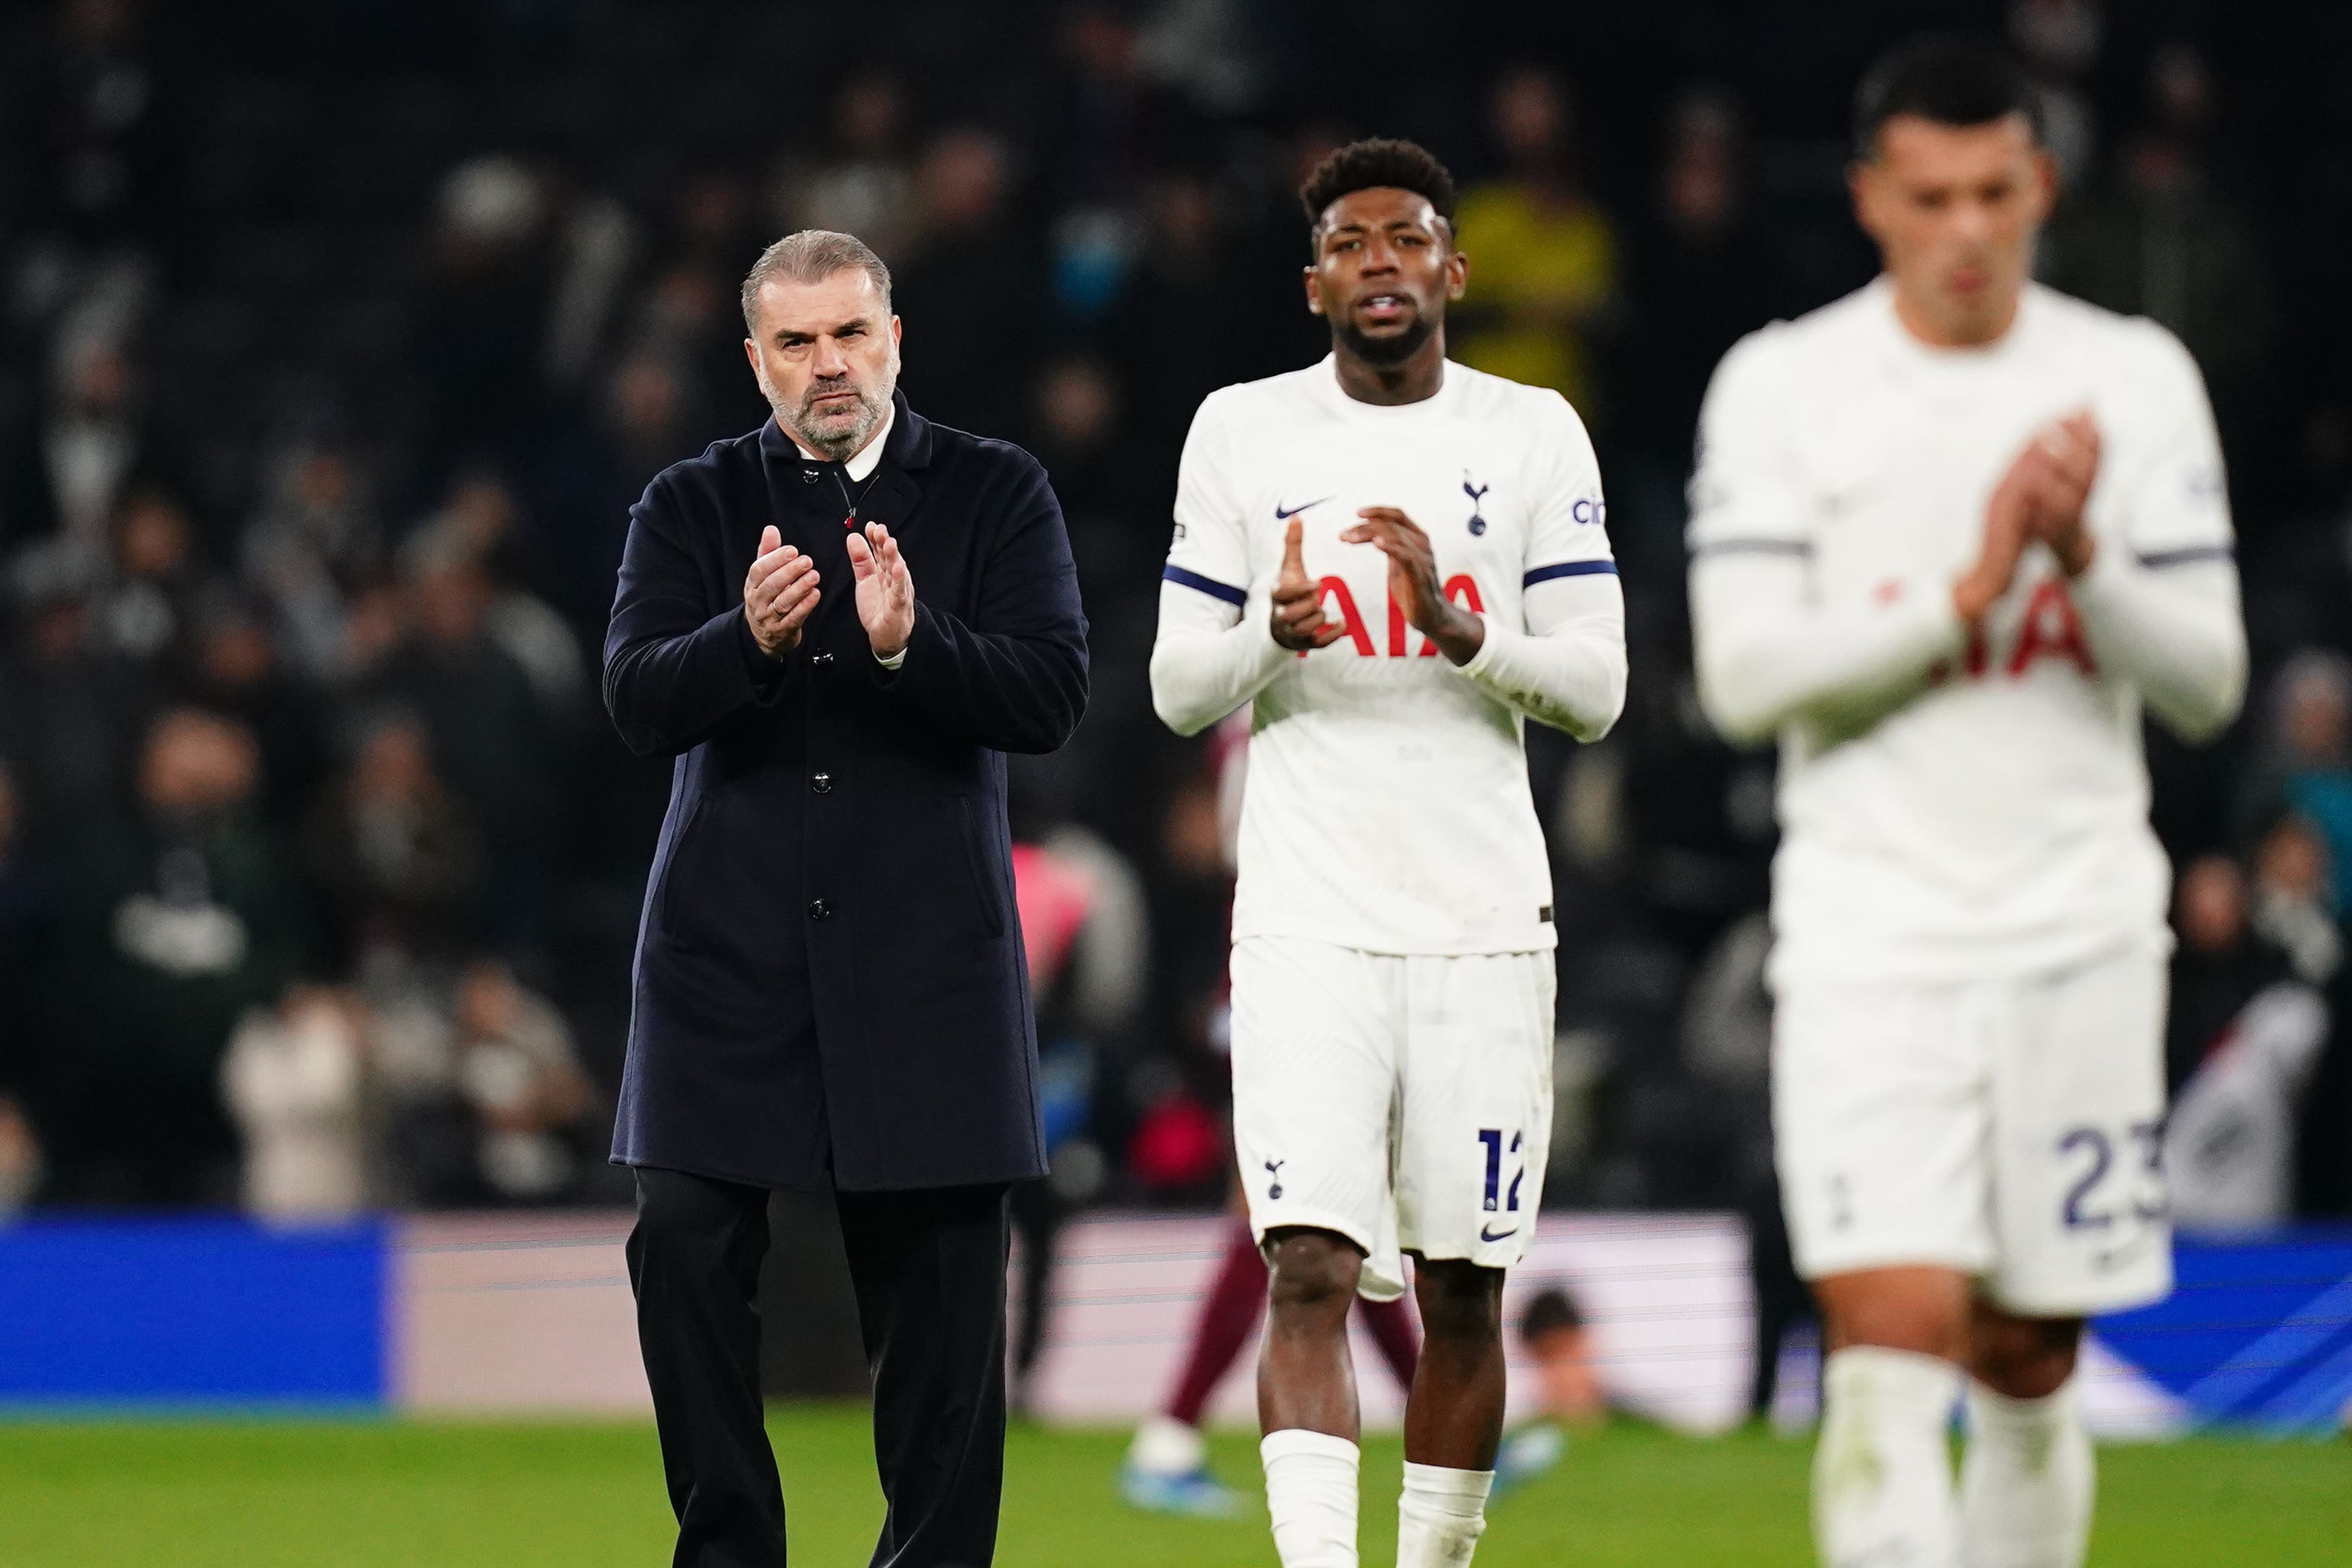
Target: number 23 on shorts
(2086, 1206)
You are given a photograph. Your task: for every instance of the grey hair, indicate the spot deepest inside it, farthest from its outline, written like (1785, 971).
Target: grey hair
(812, 256)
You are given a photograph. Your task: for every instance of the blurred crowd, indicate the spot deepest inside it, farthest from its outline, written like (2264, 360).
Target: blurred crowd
(337, 340)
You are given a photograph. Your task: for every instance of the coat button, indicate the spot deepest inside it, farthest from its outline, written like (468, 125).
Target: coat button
(819, 909)
(820, 660)
(822, 783)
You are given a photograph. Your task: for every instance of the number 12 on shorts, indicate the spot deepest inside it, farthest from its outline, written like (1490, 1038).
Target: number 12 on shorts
(1493, 1138)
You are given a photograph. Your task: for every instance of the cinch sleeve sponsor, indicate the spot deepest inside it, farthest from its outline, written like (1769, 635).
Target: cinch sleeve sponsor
(1568, 532)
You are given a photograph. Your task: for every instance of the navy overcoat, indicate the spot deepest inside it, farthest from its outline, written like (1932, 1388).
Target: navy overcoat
(830, 989)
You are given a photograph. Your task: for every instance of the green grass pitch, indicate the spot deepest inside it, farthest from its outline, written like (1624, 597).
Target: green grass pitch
(261, 1494)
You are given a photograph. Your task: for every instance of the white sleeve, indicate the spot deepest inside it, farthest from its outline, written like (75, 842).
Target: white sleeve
(1767, 651)
(1212, 654)
(2160, 603)
(1565, 665)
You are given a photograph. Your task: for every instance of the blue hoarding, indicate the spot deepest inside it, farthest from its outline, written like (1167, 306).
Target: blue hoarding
(204, 1311)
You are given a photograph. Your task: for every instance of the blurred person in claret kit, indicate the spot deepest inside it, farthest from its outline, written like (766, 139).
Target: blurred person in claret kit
(838, 624)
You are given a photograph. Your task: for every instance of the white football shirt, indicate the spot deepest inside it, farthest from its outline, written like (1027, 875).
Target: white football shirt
(1387, 806)
(1956, 807)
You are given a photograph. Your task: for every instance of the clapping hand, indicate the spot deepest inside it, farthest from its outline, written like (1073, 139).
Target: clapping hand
(2060, 467)
(1413, 585)
(886, 591)
(779, 594)
(2041, 497)
(1298, 616)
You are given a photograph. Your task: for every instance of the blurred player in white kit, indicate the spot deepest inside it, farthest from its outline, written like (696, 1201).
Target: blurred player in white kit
(1949, 536)
(1398, 561)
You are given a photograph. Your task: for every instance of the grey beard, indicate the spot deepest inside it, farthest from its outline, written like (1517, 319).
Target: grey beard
(842, 446)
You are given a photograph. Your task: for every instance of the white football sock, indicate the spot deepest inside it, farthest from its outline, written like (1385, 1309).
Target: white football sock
(2027, 1483)
(1441, 1515)
(1164, 1446)
(1882, 1468)
(1310, 1495)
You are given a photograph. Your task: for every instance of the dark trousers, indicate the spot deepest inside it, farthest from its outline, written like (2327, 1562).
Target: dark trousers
(929, 1270)
(1037, 1214)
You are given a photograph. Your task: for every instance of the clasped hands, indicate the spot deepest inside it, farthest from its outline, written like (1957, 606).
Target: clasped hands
(2041, 497)
(1297, 618)
(781, 593)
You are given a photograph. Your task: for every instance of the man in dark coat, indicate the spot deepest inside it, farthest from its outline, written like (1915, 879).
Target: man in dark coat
(839, 625)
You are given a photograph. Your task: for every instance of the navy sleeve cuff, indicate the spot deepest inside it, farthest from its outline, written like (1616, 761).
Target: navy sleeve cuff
(765, 675)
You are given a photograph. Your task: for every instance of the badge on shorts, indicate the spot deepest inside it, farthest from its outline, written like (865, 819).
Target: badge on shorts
(1543, 916)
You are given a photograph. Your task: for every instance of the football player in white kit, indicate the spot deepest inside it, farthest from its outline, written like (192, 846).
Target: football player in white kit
(1949, 536)
(1398, 561)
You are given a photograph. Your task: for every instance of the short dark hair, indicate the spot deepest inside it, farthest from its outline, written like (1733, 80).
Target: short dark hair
(1377, 162)
(1551, 1310)
(1949, 80)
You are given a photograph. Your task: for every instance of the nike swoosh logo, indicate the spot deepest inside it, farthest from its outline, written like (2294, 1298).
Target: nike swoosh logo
(1279, 514)
(2117, 1257)
(1486, 1235)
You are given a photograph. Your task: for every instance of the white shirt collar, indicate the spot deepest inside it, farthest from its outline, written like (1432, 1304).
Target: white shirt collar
(2021, 330)
(1434, 402)
(868, 457)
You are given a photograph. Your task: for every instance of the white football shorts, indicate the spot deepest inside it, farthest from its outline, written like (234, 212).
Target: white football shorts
(1401, 1101)
(2010, 1129)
